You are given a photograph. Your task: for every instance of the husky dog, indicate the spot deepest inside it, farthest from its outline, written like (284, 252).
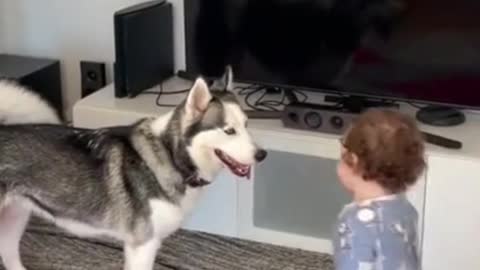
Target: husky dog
(132, 183)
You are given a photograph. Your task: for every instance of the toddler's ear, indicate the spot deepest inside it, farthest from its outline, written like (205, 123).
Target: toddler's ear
(354, 158)
(350, 158)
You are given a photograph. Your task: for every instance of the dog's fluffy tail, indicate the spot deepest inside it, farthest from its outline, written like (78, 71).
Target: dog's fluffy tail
(19, 105)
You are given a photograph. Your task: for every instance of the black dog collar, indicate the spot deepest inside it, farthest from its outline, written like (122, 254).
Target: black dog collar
(196, 182)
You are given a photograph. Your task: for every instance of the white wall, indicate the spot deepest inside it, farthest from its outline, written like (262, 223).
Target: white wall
(2, 35)
(72, 30)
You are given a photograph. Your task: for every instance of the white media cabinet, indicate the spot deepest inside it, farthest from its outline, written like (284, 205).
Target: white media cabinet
(294, 196)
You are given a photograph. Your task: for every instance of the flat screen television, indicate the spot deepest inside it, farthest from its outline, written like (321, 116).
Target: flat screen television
(423, 51)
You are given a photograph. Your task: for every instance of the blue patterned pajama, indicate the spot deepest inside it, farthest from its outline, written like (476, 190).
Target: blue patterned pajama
(377, 235)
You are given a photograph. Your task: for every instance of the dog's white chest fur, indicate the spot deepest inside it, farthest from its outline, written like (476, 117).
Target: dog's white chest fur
(167, 217)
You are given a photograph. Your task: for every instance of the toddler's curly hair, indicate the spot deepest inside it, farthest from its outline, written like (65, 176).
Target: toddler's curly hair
(389, 146)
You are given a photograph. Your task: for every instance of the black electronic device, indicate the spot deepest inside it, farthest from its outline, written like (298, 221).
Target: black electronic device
(442, 141)
(440, 116)
(314, 117)
(93, 77)
(143, 47)
(335, 120)
(413, 51)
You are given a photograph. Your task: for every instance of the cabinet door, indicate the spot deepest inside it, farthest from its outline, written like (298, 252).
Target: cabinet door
(294, 198)
(452, 215)
(416, 196)
(216, 210)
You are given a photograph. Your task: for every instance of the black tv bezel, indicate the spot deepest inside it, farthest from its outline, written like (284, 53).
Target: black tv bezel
(347, 93)
(327, 90)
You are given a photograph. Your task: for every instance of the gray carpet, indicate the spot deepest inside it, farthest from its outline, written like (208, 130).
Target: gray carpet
(47, 248)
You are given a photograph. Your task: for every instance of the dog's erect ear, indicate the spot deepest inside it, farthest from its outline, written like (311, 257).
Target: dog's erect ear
(226, 82)
(198, 99)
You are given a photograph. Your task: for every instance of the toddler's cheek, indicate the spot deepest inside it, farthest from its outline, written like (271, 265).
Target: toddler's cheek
(344, 174)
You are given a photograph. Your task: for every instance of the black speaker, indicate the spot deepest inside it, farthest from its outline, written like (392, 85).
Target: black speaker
(143, 47)
(321, 118)
(93, 77)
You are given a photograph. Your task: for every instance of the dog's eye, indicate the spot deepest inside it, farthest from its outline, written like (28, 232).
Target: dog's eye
(230, 131)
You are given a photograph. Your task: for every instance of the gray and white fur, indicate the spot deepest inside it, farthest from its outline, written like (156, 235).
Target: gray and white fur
(132, 183)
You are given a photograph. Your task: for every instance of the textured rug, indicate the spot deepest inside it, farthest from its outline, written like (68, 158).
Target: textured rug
(47, 248)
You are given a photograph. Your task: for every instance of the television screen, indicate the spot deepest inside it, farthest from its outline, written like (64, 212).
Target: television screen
(417, 50)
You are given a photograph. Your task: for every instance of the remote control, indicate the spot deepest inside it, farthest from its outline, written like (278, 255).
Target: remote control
(441, 141)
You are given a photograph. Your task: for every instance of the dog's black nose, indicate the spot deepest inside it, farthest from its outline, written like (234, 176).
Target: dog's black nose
(260, 155)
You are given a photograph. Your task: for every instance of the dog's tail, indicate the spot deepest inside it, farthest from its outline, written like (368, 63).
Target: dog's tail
(19, 105)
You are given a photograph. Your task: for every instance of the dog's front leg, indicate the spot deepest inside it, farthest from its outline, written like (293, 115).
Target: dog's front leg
(141, 257)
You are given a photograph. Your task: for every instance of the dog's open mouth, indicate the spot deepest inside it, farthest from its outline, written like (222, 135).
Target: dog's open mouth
(235, 167)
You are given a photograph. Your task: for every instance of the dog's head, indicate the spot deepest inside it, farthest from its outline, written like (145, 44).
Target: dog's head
(215, 128)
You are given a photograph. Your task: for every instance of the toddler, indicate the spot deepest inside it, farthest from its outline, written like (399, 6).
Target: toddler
(382, 156)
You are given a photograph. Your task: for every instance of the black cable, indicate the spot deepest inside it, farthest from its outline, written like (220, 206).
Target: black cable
(260, 101)
(257, 104)
(305, 97)
(264, 101)
(161, 93)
